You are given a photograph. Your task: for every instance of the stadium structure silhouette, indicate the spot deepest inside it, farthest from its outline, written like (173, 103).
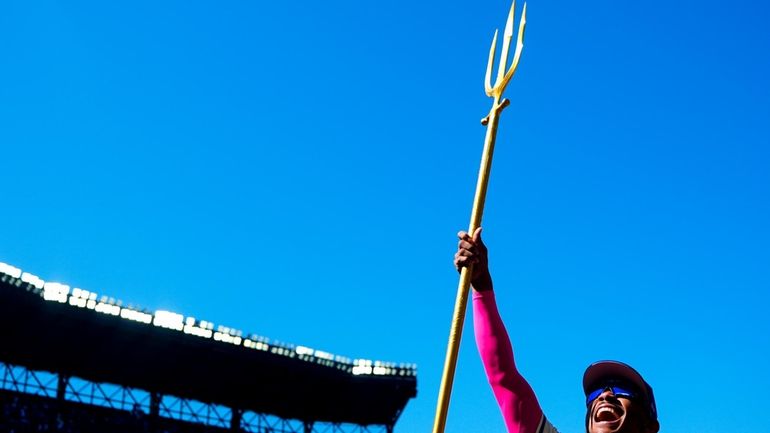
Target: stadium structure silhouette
(73, 361)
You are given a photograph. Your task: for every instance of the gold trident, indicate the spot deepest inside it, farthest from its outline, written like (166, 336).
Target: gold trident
(491, 121)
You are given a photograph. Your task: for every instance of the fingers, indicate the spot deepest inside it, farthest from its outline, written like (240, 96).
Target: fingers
(467, 241)
(468, 252)
(471, 251)
(465, 258)
(466, 245)
(462, 234)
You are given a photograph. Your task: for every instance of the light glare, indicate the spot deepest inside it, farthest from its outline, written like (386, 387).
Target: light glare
(10, 270)
(80, 298)
(168, 319)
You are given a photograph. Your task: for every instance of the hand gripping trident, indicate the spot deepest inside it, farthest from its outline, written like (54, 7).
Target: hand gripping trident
(491, 120)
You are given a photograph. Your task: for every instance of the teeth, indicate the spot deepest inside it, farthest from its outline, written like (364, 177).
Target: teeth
(614, 413)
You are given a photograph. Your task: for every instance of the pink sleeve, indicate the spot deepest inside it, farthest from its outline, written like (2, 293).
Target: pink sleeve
(517, 401)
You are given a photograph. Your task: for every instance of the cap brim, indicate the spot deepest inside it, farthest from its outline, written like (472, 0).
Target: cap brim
(603, 370)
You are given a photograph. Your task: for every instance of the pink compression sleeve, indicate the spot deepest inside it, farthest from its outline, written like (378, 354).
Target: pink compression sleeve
(517, 401)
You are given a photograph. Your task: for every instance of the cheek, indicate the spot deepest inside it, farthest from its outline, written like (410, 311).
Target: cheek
(628, 405)
(633, 416)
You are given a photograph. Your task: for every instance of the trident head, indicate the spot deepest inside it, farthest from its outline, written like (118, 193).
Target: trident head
(503, 77)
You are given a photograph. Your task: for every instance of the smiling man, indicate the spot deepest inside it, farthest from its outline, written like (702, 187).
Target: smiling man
(618, 399)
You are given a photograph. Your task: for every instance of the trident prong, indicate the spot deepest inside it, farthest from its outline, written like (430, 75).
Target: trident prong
(504, 77)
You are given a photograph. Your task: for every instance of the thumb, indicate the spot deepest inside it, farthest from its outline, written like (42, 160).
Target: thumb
(477, 235)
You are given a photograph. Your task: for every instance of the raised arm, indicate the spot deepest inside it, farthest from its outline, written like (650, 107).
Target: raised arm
(517, 401)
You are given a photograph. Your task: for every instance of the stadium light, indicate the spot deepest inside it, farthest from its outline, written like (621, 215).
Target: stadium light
(361, 369)
(53, 291)
(32, 279)
(107, 308)
(9, 270)
(302, 350)
(169, 320)
(227, 338)
(80, 298)
(257, 345)
(136, 316)
(77, 302)
(342, 359)
(198, 331)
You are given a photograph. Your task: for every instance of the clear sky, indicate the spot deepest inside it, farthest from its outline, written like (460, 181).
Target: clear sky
(300, 169)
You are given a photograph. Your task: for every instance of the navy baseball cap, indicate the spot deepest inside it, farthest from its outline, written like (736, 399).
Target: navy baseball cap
(601, 371)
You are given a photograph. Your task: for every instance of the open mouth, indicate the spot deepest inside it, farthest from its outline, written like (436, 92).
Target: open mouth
(608, 413)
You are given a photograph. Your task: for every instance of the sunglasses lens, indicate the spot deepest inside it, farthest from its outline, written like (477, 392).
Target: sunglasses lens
(593, 396)
(622, 392)
(617, 391)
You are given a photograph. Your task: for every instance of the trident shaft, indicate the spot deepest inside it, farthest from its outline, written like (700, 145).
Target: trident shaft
(491, 121)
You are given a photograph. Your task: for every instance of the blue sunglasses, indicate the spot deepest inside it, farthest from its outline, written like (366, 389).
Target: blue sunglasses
(617, 391)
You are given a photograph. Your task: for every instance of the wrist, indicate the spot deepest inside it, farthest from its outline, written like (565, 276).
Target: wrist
(482, 283)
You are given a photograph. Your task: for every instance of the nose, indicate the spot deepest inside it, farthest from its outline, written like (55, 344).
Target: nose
(607, 393)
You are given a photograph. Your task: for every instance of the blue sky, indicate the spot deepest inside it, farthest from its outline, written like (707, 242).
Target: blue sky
(300, 171)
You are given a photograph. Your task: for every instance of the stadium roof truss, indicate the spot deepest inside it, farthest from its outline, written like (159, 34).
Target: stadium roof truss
(51, 386)
(73, 346)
